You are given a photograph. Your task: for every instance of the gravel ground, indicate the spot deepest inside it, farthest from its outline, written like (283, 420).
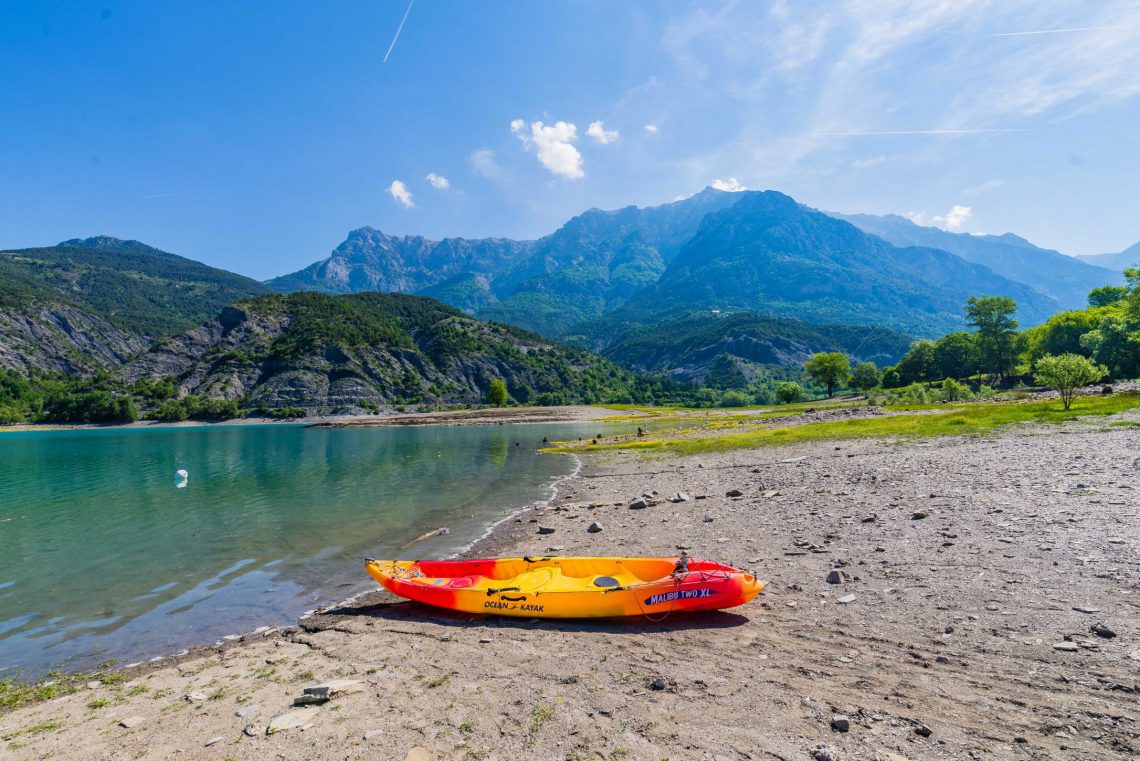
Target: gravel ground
(972, 573)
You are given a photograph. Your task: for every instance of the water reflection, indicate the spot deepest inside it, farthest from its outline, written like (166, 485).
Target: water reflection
(100, 557)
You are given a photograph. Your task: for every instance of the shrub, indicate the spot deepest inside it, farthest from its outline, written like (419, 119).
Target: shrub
(1066, 373)
(789, 391)
(735, 399)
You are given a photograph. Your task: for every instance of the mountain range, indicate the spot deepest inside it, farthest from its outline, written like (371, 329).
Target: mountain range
(1066, 279)
(762, 252)
(752, 279)
(1129, 257)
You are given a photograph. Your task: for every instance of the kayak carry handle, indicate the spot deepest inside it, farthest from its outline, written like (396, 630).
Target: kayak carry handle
(502, 589)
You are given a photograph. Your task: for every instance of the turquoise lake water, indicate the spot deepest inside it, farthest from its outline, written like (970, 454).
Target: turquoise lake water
(103, 556)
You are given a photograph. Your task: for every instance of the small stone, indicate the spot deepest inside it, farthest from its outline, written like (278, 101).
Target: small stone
(708, 519)
(1103, 631)
(545, 530)
(638, 503)
(1082, 609)
(734, 493)
(845, 600)
(822, 753)
(657, 684)
(918, 515)
(948, 630)
(923, 731)
(484, 640)
(336, 688)
(131, 722)
(253, 730)
(836, 576)
(680, 497)
(419, 754)
(214, 740)
(870, 518)
(374, 735)
(840, 723)
(194, 697)
(244, 711)
(94, 685)
(1068, 647)
(595, 528)
(292, 720)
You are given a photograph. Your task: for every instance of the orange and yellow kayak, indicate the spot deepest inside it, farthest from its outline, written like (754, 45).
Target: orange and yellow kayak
(558, 587)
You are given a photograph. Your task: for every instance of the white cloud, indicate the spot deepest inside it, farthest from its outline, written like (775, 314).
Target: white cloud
(438, 181)
(598, 131)
(400, 192)
(951, 220)
(651, 129)
(731, 185)
(954, 218)
(483, 162)
(553, 144)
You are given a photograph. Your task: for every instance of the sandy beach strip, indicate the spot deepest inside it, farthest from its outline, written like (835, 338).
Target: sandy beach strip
(987, 606)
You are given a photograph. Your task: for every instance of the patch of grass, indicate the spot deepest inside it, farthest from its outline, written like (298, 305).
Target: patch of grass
(14, 694)
(439, 681)
(217, 694)
(98, 703)
(138, 689)
(467, 727)
(44, 727)
(541, 714)
(948, 420)
(619, 753)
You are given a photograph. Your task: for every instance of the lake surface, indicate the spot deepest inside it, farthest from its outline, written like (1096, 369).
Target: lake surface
(103, 556)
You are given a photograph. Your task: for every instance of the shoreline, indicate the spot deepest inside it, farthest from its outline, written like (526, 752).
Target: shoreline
(489, 416)
(975, 644)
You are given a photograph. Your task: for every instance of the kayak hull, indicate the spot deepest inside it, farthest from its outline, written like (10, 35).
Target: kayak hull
(567, 587)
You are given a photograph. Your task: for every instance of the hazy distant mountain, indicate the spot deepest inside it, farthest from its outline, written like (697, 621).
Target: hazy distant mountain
(91, 303)
(1129, 257)
(1054, 274)
(768, 253)
(351, 353)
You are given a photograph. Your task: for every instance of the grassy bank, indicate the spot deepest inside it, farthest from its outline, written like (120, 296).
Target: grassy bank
(950, 420)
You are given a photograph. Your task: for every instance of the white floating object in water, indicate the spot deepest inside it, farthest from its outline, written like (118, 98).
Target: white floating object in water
(183, 476)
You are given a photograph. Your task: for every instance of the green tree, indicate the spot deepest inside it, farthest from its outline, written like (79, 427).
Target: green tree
(918, 364)
(955, 355)
(992, 318)
(1116, 345)
(1132, 275)
(866, 376)
(1066, 373)
(1060, 334)
(497, 392)
(891, 378)
(1109, 294)
(829, 369)
(734, 398)
(789, 391)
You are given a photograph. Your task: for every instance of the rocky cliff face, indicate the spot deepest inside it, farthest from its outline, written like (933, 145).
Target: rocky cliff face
(294, 351)
(61, 338)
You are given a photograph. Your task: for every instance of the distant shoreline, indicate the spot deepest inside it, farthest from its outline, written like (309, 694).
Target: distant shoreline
(488, 416)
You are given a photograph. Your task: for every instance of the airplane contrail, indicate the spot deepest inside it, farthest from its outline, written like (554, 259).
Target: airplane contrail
(399, 29)
(1056, 31)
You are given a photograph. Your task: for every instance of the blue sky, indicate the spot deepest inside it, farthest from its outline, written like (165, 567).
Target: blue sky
(253, 136)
